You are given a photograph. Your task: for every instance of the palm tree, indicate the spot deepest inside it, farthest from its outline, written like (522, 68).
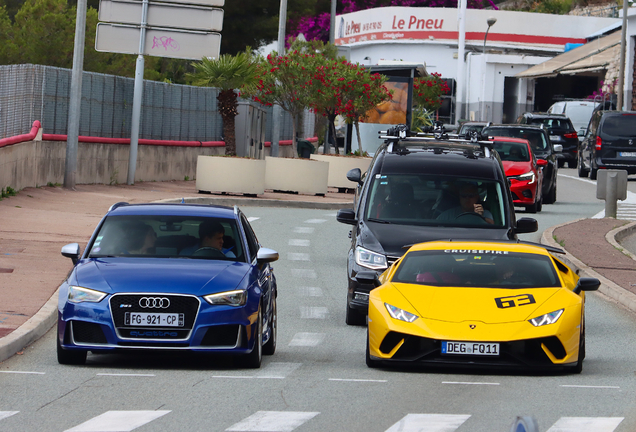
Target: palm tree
(227, 73)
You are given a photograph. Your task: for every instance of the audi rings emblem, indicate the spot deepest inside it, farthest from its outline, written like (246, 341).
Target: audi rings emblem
(154, 302)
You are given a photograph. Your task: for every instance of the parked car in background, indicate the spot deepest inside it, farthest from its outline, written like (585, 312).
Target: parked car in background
(578, 111)
(610, 143)
(542, 148)
(420, 189)
(169, 277)
(523, 170)
(470, 126)
(561, 132)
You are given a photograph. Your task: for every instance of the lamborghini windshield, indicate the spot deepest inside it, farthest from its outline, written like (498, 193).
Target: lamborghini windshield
(414, 199)
(477, 268)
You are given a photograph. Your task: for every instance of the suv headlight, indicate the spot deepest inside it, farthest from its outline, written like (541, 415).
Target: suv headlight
(549, 318)
(529, 176)
(230, 298)
(78, 294)
(369, 259)
(400, 314)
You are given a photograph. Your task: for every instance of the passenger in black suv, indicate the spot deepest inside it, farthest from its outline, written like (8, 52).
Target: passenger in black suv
(561, 132)
(610, 143)
(410, 182)
(542, 148)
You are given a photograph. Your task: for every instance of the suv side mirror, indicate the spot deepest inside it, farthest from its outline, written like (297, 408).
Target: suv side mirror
(558, 148)
(526, 225)
(355, 175)
(347, 216)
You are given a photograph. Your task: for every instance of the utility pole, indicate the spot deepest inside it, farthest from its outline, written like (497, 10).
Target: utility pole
(621, 68)
(72, 133)
(277, 111)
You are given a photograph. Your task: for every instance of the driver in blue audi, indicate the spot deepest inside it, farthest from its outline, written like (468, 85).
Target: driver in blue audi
(211, 235)
(468, 203)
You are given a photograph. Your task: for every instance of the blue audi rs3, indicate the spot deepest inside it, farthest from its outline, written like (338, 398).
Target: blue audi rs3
(169, 277)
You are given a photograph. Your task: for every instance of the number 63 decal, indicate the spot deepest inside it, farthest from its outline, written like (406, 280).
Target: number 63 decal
(512, 301)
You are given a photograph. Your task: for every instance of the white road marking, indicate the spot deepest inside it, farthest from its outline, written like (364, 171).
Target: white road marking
(310, 291)
(24, 372)
(304, 273)
(357, 380)
(469, 383)
(583, 179)
(429, 423)
(233, 376)
(314, 312)
(586, 424)
(118, 421)
(278, 370)
(126, 375)
(589, 386)
(299, 242)
(307, 339)
(315, 221)
(273, 421)
(5, 414)
(304, 230)
(252, 219)
(296, 256)
(331, 214)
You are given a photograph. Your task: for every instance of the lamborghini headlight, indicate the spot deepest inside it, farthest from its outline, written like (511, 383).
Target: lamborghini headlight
(78, 294)
(369, 259)
(549, 318)
(529, 177)
(400, 314)
(230, 298)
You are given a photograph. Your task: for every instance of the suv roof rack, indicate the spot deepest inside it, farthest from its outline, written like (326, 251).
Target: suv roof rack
(434, 137)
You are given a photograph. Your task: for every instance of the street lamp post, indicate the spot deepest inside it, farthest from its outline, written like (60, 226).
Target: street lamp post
(484, 116)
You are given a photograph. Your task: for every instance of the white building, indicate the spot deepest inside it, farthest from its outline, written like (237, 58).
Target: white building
(490, 92)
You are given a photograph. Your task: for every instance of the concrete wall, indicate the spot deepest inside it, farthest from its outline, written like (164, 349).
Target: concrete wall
(37, 163)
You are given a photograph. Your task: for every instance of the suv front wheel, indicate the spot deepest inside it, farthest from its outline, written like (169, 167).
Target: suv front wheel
(355, 317)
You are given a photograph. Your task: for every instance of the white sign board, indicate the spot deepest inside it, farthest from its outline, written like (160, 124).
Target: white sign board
(160, 42)
(214, 3)
(162, 15)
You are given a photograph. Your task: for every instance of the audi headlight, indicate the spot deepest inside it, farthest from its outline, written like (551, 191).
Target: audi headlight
(400, 314)
(369, 259)
(529, 176)
(230, 298)
(549, 318)
(79, 294)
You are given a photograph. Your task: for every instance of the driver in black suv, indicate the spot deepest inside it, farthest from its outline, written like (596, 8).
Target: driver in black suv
(468, 205)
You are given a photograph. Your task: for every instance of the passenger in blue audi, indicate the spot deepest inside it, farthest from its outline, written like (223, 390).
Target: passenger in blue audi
(133, 288)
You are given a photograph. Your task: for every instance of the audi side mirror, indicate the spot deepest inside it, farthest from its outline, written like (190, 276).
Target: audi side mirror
(71, 251)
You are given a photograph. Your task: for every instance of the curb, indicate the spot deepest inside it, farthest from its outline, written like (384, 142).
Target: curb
(259, 202)
(607, 288)
(35, 327)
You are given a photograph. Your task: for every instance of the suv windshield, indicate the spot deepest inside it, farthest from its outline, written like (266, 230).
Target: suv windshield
(157, 236)
(620, 125)
(477, 268)
(414, 199)
(536, 137)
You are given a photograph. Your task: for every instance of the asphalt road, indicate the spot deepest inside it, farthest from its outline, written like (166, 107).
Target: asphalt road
(318, 380)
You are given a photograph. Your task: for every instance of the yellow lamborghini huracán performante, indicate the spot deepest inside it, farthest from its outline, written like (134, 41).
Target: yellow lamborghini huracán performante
(489, 304)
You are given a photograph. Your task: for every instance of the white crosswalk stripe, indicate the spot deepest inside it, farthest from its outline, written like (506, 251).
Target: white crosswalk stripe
(5, 414)
(118, 421)
(273, 421)
(315, 221)
(429, 423)
(586, 424)
(304, 230)
(313, 312)
(307, 339)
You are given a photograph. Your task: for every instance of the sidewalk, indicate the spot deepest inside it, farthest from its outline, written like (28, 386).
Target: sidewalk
(36, 223)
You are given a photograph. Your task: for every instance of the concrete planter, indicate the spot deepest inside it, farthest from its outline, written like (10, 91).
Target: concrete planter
(230, 174)
(339, 166)
(303, 176)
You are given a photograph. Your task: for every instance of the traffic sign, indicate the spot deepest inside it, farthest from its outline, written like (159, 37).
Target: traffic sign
(159, 42)
(162, 15)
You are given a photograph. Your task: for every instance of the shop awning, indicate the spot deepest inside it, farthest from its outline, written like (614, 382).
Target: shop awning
(594, 55)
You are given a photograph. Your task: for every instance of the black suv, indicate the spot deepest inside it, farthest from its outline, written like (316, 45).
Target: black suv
(419, 189)
(542, 148)
(610, 143)
(561, 131)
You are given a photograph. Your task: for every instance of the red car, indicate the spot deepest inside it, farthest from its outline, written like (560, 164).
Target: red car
(523, 170)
